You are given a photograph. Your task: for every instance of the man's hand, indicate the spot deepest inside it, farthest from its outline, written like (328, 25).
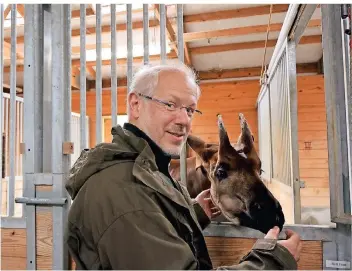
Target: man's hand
(206, 203)
(293, 243)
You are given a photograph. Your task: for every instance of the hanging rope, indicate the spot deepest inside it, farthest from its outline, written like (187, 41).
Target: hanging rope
(265, 46)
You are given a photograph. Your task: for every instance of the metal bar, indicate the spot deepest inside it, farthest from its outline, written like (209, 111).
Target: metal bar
(183, 155)
(162, 33)
(293, 127)
(33, 114)
(335, 111)
(13, 223)
(129, 46)
(11, 184)
(1, 89)
(181, 53)
(305, 13)
(39, 201)
(146, 33)
(113, 67)
(287, 24)
(61, 89)
(47, 97)
(98, 80)
(306, 232)
(83, 87)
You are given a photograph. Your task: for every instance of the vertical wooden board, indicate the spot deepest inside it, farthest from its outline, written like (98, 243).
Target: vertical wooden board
(44, 239)
(44, 233)
(13, 249)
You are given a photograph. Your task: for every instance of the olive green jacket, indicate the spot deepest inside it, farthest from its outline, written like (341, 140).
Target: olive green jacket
(126, 215)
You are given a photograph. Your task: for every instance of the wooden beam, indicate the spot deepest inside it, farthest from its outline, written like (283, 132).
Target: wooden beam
(246, 30)
(137, 59)
(7, 10)
(20, 9)
(248, 45)
(104, 29)
(121, 61)
(75, 73)
(250, 72)
(223, 74)
(235, 13)
(169, 29)
(91, 71)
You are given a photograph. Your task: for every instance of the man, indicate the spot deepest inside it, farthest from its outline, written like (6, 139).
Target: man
(128, 213)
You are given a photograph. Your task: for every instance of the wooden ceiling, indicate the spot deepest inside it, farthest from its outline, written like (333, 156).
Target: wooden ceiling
(220, 41)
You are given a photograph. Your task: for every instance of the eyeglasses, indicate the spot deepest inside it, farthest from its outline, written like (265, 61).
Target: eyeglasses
(172, 106)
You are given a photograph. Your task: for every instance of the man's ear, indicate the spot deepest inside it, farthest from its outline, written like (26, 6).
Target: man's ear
(134, 104)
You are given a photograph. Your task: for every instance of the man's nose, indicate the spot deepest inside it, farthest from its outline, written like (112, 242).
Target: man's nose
(183, 117)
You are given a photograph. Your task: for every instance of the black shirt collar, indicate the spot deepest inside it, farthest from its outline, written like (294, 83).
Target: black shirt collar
(162, 158)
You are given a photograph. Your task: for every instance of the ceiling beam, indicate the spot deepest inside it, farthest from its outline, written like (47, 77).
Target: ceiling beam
(238, 31)
(120, 61)
(170, 31)
(7, 10)
(235, 13)
(249, 45)
(223, 74)
(20, 9)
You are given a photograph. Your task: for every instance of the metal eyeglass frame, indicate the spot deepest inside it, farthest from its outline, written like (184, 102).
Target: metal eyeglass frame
(171, 106)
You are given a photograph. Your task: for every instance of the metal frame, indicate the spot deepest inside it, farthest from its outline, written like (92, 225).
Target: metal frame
(336, 114)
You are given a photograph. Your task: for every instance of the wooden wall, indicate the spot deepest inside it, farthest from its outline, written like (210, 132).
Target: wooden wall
(228, 99)
(231, 98)
(222, 250)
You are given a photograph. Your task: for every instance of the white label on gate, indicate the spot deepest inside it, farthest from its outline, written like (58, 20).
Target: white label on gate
(338, 264)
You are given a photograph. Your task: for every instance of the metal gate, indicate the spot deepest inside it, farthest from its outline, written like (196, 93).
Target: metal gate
(50, 143)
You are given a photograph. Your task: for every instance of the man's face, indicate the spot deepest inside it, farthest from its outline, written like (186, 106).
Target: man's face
(168, 129)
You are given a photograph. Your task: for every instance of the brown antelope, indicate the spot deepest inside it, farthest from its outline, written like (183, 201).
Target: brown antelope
(232, 172)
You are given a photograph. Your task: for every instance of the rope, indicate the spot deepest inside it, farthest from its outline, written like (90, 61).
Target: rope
(266, 41)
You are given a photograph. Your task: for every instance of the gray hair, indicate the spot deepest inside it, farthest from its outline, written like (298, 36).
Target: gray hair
(145, 80)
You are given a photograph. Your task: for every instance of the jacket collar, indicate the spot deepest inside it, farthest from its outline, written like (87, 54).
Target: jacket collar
(145, 168)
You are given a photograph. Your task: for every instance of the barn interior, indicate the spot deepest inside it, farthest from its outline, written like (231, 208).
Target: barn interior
(229, 46)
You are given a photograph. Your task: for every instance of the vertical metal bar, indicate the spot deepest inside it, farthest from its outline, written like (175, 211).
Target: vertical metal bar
(183, 155)
(61, 89)
(162, 33)
(335, 110)
(1, 89)
(293, 127)
(98, 81)
(33, 116)
(181, 52)
(113, 67)
(83, 87)
(146, 33)
(47, 97)
(129, 46)
(11, 184)
(7, 125)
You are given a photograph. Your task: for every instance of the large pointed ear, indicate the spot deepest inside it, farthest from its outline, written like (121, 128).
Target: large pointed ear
(203, 150)
(226, 150)
(246, 139)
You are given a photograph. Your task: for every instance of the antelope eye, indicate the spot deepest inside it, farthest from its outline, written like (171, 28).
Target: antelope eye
(221, 174)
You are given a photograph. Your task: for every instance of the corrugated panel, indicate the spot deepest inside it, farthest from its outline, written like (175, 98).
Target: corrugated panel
(264, 132)
(280, 112)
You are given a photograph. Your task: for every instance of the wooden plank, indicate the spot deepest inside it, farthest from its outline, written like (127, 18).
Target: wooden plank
(316, 182)
(44, 235)
(315, 192)
(238, 31)
(248, 45)
(234, 13)
(315, 202)
(311, 163)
